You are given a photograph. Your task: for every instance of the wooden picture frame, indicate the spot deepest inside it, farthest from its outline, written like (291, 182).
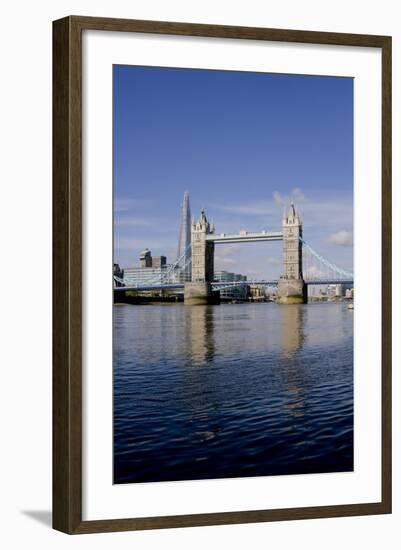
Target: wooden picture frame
(67, 274)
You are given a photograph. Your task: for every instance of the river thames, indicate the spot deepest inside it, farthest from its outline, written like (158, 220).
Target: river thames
(232, 390)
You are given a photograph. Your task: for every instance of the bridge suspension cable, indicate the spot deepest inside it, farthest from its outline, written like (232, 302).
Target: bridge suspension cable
(338, 270)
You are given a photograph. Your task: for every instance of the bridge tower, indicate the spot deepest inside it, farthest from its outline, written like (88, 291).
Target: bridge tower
(202, 251)
(291, 286)
(199, 290)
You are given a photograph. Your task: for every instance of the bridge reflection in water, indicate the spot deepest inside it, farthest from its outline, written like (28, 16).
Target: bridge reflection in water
(232, 391)
(200, 333)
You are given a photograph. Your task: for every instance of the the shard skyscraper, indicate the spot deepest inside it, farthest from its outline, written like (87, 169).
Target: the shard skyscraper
(184, 239)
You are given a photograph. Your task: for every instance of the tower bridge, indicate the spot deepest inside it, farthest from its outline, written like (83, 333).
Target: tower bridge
(291, 286)
(195, 259)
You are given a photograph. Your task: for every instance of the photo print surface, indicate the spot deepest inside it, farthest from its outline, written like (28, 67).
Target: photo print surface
(233, 274)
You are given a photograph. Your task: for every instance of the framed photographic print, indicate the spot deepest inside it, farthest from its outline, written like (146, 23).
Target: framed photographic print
(222, 274)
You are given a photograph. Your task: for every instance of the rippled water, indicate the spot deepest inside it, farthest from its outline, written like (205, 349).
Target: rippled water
(232, 390)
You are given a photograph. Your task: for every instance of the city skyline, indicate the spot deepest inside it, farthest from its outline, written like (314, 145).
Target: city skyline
(245, 179)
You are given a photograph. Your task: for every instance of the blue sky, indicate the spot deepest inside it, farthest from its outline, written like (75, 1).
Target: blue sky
(244, 145)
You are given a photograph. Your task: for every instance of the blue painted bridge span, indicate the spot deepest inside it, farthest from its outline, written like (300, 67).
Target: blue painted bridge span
(225, 285)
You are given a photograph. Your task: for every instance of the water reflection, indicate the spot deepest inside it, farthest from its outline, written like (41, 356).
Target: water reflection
(291, 328)
(211, 328)
(199, 327)
(293, 372)
(199, 350)
(232, 390)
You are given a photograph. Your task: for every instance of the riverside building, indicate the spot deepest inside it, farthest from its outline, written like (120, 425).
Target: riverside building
(239, 292)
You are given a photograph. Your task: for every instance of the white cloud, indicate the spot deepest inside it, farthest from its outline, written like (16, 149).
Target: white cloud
(341, 238)
(221, 263)
(264, 207)
(296, 196)
(157, 246)
(272, 260)
(133, 221)
(259, 208)
(225, 256)
(313, 272)
(125, 205)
